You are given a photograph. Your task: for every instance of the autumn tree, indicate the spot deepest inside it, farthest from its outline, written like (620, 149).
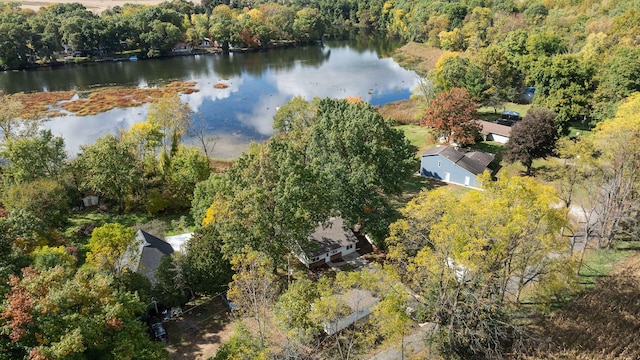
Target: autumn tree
(11, 122)
(369, 289)
(171, 116)
(452, 115)
(617, 143)
(532, 138)
(52, 314)
(254, 288)
(113, 247)
(479, 252)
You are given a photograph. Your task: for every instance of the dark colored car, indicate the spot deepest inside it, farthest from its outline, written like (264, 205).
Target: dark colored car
(158, 331)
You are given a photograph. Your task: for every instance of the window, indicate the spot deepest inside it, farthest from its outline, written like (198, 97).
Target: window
(350, 247)
(439, 163)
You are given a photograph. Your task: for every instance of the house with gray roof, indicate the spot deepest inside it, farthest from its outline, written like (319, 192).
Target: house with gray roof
(151, 250)
(447, 164)
(328, 243)
(495, 132)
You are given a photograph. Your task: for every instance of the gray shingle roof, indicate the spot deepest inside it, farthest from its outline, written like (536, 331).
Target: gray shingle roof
(332, 237)
(474, 161)
(152, 249)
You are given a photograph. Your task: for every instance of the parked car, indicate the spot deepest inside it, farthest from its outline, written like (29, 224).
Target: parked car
(158, 331)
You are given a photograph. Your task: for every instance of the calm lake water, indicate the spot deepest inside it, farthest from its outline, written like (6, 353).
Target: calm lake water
(258, 84)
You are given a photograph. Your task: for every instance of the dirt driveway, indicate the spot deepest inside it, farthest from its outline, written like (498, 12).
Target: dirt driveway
(200, 331)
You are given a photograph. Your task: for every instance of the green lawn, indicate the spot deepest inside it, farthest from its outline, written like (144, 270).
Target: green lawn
(419, 136)
(489, 114)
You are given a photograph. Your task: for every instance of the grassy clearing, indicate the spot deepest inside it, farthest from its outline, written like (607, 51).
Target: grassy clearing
(600, 262)
(488, 113)
(419, 136)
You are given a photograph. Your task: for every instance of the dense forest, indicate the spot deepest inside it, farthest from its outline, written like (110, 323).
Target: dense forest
(478, 266)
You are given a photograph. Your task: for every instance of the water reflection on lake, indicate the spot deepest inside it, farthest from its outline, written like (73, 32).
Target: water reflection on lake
(258, 83)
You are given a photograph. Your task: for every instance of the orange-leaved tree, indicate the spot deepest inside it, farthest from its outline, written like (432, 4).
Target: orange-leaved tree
(452, 115)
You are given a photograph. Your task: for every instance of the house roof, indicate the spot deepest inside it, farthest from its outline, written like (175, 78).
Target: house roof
(493, 128)
(481, 157)
(332, 237)
(152, 249)
(473, 162)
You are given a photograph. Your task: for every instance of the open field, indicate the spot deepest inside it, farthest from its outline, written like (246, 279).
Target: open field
(96, 6)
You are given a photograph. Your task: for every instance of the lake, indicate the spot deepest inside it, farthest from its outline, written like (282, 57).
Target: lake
(258, 83)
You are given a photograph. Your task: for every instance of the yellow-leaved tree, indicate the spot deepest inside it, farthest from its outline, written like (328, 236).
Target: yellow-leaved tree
(472, 257)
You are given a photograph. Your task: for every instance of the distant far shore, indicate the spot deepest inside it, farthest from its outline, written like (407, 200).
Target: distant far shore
(96, 6)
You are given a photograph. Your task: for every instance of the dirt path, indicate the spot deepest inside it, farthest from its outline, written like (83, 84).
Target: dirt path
(199, 333)
(96, 6)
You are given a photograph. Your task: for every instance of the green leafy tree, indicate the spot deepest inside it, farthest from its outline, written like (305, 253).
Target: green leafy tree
(46, 257)
(108, 169)
(242, 345)
(223, 28)
(361, 160)
(307, 25)
(205, 266)
(294, 306)
(275, 204)
(564, 85)
(452, 115)
(113, 247)
(33, 158)
(532, 138)
(170, 285)
(82, 31)
(188, 167)
(15, 36)
(43, 200)
(619, 78)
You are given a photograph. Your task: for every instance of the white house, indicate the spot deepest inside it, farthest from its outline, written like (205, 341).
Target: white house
(359, 301)
(331, 244)
(495, 132)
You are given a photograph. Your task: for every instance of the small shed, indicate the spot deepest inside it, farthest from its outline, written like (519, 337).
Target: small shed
(90, 200)
(447, 164)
